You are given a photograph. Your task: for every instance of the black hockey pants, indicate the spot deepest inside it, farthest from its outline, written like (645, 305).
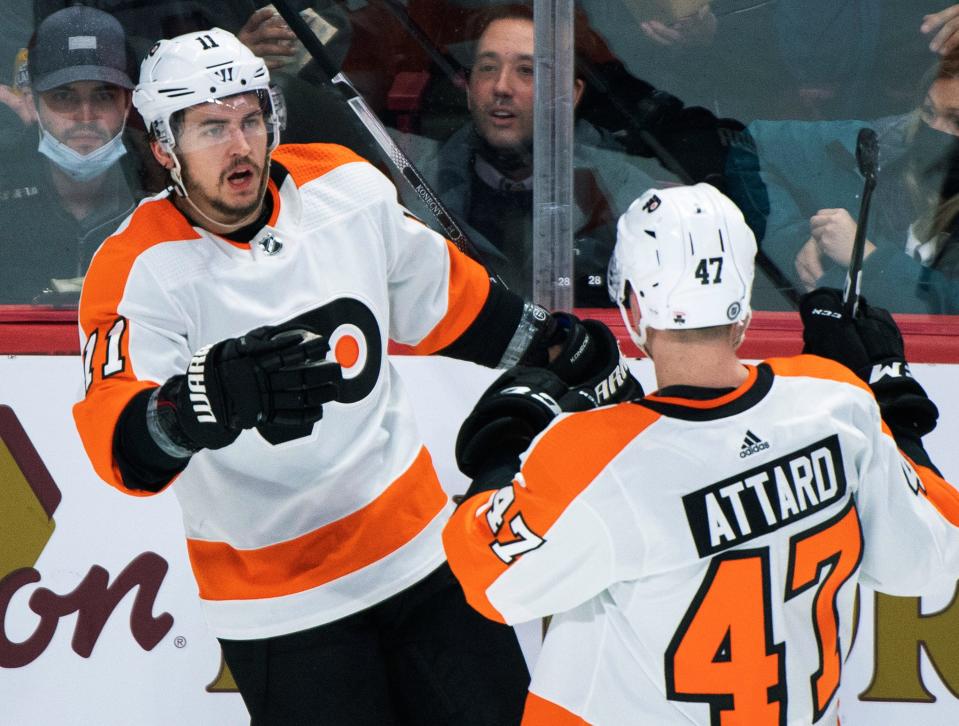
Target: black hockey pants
(423, 657)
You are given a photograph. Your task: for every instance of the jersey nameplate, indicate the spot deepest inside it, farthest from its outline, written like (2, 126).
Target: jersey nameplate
(766, 498)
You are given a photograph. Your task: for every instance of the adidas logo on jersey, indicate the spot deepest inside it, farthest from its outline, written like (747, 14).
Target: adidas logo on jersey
(759, 500)
(752, 444)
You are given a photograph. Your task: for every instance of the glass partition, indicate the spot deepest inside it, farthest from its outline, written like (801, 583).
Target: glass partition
(762, 98)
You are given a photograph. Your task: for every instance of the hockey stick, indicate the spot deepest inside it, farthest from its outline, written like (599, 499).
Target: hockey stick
(673, 165)
(867, 159)
(636, 125)
(442, 61)
(378, 131)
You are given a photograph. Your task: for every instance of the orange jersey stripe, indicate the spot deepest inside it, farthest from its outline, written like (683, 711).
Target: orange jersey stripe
(540, 712)
(307, 162)
(96, 417)
(573, 453)
(942, 495)
(560, 466)
(277, 202)
(816, 367)
(325, 554)
(468, 290)
(743, 387)
(153, 222)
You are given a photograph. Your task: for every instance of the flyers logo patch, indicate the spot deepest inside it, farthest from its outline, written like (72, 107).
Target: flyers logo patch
(349, 348)
(355, 343)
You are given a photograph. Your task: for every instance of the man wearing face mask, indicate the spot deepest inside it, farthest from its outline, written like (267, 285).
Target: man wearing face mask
(67, 181)
(911, 256)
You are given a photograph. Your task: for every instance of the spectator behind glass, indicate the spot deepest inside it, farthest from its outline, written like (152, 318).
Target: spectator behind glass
(257, 25)
(61, 198)
(813, 60)
(17, 28)
(912, 248)
(676, 575)
(313, 112)
(485, 169)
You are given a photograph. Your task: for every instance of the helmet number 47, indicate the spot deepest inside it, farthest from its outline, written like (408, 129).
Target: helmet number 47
(706, 266)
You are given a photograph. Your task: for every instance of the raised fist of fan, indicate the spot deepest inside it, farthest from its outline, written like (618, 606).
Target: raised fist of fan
(870, 345)
(269, 375)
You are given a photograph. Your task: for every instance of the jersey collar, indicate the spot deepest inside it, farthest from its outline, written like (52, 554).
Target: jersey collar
(696, 404)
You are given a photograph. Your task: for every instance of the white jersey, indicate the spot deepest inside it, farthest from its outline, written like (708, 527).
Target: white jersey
(701, 556)
(288, 532)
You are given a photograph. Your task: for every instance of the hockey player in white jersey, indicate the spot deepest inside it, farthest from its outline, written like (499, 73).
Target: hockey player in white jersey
(699, 549)
(234, 335)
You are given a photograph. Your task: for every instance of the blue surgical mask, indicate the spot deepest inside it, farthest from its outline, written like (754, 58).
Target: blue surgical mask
(77, 166)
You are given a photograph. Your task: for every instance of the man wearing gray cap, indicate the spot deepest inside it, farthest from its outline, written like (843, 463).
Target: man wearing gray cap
(79, 180)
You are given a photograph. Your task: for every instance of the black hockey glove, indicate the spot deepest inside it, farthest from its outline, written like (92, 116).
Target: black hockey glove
(591, 361)
(871, 346)
(269, 375)
(508, 416)
(515, 408)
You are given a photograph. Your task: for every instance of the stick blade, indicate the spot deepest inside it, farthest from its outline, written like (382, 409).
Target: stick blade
(867, 153)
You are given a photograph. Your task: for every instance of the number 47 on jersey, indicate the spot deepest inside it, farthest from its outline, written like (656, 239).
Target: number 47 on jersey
(723, 652)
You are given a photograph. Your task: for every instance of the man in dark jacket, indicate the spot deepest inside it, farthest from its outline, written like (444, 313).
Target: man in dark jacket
(61, 198)
(485, 169)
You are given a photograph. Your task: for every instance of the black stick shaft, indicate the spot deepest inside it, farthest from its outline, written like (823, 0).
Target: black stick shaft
(853, 286)
(672, 164)
(442, 62)
(867, 157)
(378, 131)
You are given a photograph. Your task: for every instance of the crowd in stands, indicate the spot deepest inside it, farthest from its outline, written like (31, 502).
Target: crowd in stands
(763, 100)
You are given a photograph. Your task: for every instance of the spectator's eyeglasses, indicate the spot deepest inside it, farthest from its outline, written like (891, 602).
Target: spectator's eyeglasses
(66, 99)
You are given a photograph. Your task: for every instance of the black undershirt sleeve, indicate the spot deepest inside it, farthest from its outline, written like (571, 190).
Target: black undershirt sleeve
(486, 339)
(910, 443)
(143, 465)
(496, 477)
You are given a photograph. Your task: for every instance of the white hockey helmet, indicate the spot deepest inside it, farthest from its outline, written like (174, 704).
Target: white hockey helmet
(688, 255)
(201, 67)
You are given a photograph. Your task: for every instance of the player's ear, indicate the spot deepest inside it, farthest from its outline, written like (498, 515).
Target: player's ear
(163, 157)
(738, 332)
